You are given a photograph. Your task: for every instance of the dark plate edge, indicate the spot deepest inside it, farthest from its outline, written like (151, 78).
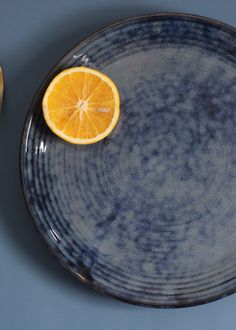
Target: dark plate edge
(24, 133)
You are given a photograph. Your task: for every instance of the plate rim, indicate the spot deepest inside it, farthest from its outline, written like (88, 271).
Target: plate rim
(25, 130)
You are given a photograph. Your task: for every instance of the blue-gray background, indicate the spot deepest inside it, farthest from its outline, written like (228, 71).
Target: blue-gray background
(36, 292)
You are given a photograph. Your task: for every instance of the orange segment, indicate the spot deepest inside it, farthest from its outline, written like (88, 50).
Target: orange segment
(81, 105)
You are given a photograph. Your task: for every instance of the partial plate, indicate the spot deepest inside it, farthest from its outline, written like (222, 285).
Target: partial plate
(147, 215)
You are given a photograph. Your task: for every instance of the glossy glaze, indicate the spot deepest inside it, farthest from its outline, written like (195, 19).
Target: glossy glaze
(148, 214)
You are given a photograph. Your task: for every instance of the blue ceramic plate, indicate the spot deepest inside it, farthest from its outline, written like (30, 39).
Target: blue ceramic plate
(147, 215)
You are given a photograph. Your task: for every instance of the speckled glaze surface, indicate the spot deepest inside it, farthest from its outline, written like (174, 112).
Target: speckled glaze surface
(147, 215)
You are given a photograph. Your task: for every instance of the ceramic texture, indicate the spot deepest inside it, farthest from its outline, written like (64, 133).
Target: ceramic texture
(147, 215)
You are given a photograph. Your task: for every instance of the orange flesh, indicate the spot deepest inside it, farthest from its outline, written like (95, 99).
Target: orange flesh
(81, 105)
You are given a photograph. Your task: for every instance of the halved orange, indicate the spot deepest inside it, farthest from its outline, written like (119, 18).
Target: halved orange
(81, 105)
